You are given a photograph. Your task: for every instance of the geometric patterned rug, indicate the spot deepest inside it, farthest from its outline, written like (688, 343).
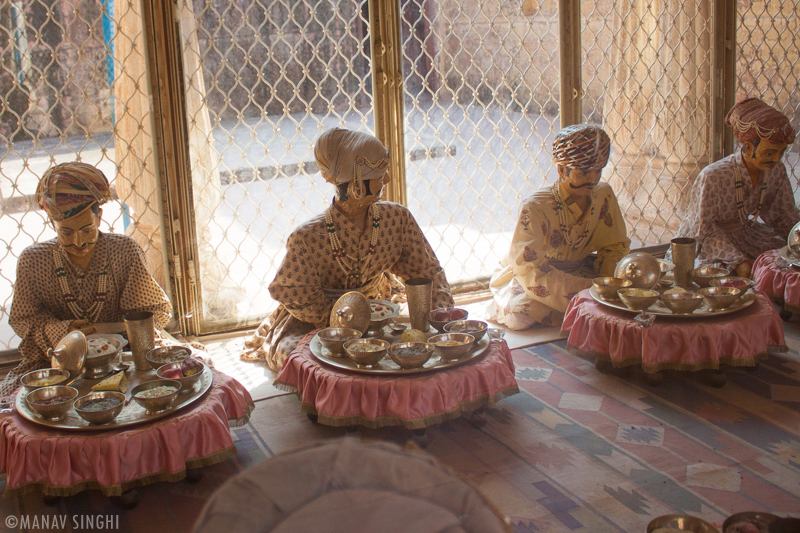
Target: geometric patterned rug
(576, 450)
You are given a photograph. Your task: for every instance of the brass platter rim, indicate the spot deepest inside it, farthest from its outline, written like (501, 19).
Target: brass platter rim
(344, 363)
(744, 302)
(789, 257)
(84, 387)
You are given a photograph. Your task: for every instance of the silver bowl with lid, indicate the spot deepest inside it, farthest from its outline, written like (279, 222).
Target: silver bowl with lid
(793, 241)
(641, 268)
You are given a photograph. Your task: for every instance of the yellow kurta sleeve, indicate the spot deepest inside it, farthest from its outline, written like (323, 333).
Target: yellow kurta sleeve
(610, 238)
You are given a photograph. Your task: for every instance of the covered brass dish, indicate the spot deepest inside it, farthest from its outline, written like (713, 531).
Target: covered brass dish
(641, 268)
(793, 242)
(70, 354)
(352, 311)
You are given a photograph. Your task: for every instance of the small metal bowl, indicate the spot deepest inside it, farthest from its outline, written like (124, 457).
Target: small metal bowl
(476, 328)
(164, 355)
(377, 324)
(99, 366)
(363, 358)
(681, 522)
(412, 360)
(734, 282)
(159, 403)
(438, 318)
(187, 382)
(103, 416)
(704, 274)
(766, 518)
(637, 299)
(682, 303)
(54, 412)
(334, 338)
(452, 353)
(26, 379)
(720, 297)
(607, 287)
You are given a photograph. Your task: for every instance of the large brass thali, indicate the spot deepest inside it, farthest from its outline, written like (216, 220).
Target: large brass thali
(659, 309)
(387, 367)
(789, 257)
(132, 414)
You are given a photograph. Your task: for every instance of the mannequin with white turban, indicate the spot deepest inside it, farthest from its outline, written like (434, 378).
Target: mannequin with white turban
(359, 243)
(558, 227)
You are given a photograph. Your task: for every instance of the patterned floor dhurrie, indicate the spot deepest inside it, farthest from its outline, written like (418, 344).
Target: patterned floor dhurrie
(576, 450)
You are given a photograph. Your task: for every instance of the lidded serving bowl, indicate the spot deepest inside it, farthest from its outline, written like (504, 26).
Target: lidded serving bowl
(410, 355)
(638, 299)
(793, 241)
(641, 268)
(103, 416)
(334, 338)
(366, 358)
(464, 345)
(27, 379)
(98, 366)
(720, 297)
(438, 318)
(51, 412)
(381, 312)
(704, 274)
(159, 403)
(607, 287)
(682, 303)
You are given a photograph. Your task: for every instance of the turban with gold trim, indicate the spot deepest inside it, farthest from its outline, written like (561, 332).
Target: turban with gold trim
(345, 156)
(67, 189)
(752, 119)
(583, 146)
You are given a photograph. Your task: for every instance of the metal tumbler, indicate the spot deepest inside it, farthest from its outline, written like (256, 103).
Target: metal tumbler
(684, 252)
(142, 336)
(418, 292)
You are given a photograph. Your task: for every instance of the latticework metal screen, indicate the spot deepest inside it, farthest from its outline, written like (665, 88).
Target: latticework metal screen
(72, 82)
(768, 63)
(264, 79)
(646, 73)
(481, 101)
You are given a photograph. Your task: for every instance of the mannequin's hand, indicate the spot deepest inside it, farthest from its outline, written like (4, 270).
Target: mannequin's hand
(83, 326)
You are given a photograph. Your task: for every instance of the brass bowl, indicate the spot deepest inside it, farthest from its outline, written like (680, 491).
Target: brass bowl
(637, 299)
(187, 382)
(98, 366)
(159, 403)
(452, 353)
(476, 328)
(682, 303)
(607, 287)
(103, 416)
(704, 274)
(55, 412)
(26, 379)
(164, 355)
(682, 522)
(720, 297)
(334, 338)
(641, 268)
(414, 360)
(766, 518)
(378, 323)
(362, 358)
(438, 318)
(733, 281)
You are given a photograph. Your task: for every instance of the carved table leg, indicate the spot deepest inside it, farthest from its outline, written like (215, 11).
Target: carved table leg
(785, 315)
(715, 378)
(476, 418)
(193, 475)
(655, 379)
(50, 501)
(128, 500)
(420, 437)
(602, 365)
(311, 417)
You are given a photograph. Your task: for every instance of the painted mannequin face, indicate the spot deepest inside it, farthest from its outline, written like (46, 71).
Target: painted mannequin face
(765, 156)
(579, 182)
(78, 234)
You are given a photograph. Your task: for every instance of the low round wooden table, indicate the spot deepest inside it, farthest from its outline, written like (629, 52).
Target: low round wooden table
(341, 398)
(613, 337)
(63, 463)
(781, 282)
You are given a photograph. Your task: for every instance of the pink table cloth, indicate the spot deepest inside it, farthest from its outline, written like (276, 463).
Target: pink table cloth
(782, 284)
(63, 463)
(737, 339)
(342, 398)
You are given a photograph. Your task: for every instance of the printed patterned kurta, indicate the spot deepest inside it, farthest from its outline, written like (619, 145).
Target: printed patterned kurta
(39, 314)
(713, 218)
(542, 272)
(309, 269)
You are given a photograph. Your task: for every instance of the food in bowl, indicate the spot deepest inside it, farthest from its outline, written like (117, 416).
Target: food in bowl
(55, 400)
(47, 381)
(449, 343)
(157, 392)
(410, 351)
(100, 346)
(379, 311)
(188, 367)
(165, 355)
(449, 314)
(100, 404)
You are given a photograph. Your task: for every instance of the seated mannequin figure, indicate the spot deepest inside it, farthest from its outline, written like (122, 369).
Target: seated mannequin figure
(81, 278)
(730, 195)
(558, 228)
(357, 244)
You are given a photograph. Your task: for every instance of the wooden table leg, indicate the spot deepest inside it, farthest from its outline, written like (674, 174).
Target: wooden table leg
(655, 379)
(601, 364)
(785, 315)
(128, 500)
(420, 437)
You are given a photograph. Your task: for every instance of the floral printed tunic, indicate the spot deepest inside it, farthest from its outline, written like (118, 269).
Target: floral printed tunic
(713, 218)
(542, 272)
(309, 271)
(40, 315)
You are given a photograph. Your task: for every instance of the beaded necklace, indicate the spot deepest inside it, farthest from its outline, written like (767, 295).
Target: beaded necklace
(739, 194)
(562, 219)
(353, 267)
(93, 312)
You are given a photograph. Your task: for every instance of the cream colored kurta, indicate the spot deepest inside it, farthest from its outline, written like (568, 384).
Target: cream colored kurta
(542, 272)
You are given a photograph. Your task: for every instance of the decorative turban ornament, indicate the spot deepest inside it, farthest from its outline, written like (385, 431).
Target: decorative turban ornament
(67, 189)
(752, 119)
(345, 156)
(583, 146)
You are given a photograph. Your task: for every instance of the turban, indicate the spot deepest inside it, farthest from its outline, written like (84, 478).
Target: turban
(345, 156)
(67, 189)
(582, 146)
(753, 120)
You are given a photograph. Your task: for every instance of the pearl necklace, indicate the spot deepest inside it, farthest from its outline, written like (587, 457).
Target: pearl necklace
(93, 312)
(739, 195)
(355, 266)
(562, 219)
